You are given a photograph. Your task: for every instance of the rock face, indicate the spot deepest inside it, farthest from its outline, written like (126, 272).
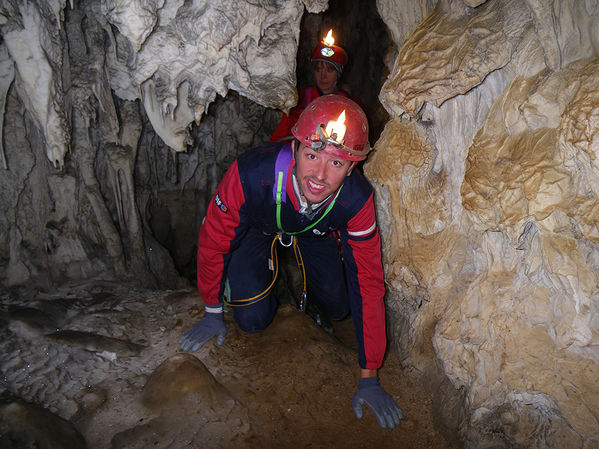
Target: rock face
(23, 424)
(176, 56)
(118, 88)
(487, 191)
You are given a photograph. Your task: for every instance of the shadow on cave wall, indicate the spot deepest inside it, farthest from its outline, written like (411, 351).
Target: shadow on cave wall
(232, 125)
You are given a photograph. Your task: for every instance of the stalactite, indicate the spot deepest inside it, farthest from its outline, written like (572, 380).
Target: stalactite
(7, 75)
(85, 163)
(35, 42)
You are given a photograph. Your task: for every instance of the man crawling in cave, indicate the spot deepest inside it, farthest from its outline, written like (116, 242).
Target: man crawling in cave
(305, 194)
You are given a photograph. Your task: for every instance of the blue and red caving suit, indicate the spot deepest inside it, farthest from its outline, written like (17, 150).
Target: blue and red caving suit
(287, 121)
(235, 238)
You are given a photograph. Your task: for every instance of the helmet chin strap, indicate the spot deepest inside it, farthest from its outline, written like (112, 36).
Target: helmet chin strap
(301, 192)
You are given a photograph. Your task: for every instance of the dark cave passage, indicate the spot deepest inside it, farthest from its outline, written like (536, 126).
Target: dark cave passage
(174, 216)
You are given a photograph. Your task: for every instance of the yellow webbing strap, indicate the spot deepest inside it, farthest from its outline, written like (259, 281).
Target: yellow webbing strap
(273, 254)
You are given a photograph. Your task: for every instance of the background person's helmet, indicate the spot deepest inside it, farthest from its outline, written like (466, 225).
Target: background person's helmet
(316, 128)
(332, 54)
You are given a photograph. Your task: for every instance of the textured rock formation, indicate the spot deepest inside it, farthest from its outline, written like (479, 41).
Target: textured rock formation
(7, 76)
(487, 187)
(23, 424)
(128, 68)
(176, 56)
(33, 34)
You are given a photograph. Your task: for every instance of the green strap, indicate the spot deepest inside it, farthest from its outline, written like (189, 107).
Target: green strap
(280, 177)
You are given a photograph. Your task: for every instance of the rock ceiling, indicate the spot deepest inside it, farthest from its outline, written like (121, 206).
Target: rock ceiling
(176, 56)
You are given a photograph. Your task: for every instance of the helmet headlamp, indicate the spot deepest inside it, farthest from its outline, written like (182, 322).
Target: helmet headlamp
(321, 139)
(345, 137)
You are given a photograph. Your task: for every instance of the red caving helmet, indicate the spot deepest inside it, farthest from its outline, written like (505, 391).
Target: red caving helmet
(318, 127)
(332, 54)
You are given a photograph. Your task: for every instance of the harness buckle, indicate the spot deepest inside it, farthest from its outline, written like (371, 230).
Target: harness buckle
(286, 245)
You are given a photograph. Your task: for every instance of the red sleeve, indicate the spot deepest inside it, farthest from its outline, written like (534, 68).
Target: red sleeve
(283, 129)
(217, 232)
(287, 121)
(365, 242)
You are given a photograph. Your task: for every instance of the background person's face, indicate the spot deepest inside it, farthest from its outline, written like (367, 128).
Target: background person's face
(325, 76)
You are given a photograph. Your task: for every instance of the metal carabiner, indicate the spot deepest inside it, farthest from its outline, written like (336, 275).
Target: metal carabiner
(303, 302)
(286, 245)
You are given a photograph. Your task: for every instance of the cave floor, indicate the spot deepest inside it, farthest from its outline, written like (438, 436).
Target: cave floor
(290, 386)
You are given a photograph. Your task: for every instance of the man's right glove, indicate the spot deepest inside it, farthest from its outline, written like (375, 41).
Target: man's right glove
(212, 324)
(386, 410)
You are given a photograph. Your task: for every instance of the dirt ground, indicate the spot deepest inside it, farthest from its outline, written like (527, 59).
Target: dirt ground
(290, 386)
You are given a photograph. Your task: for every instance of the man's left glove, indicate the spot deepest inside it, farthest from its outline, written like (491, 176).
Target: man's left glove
(386, 410)
(212, 324)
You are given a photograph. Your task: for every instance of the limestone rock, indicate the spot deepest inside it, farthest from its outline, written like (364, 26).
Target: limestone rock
(177, 56)
(28, 322)
(213, 48)
(7, 76)
(109, 346)
(23, 424)
(451, 52)
(401, 16)
(499, 271)
(184, 383)
(36, 43)
(474, 3)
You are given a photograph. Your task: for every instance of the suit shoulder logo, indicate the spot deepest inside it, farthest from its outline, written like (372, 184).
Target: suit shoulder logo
(219, 203)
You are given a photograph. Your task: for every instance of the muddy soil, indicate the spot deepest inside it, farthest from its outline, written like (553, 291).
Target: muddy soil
(290, 386)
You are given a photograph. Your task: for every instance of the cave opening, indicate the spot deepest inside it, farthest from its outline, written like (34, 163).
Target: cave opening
(174, 213)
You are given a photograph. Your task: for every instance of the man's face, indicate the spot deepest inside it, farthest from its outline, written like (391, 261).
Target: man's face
(325, 76)
(319, 174)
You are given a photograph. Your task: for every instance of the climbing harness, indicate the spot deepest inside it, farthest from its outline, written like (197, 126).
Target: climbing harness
(286, 239)
(275, 261)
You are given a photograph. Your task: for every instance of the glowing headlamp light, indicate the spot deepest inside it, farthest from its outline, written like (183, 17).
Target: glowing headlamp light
(333, 134)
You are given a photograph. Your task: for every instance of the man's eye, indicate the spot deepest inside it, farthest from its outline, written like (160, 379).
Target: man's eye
(311, 156)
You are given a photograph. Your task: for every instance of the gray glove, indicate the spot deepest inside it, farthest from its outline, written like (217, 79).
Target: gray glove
(387, 412)
(212, 324)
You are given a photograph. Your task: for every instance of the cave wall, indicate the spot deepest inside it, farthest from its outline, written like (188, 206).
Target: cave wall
(487, 190)
(119, 120)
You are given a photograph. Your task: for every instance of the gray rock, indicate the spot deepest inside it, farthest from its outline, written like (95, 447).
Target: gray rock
(26, 425)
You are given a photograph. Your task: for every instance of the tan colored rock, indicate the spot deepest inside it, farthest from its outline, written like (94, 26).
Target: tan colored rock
(451, 52)
(474, 3)
(407, 159)
(183, 382)
(488, 216)
(401, 16)
(530, 309)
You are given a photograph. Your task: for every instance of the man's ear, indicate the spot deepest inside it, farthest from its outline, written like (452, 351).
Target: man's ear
(295, 147)
(351, 167)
